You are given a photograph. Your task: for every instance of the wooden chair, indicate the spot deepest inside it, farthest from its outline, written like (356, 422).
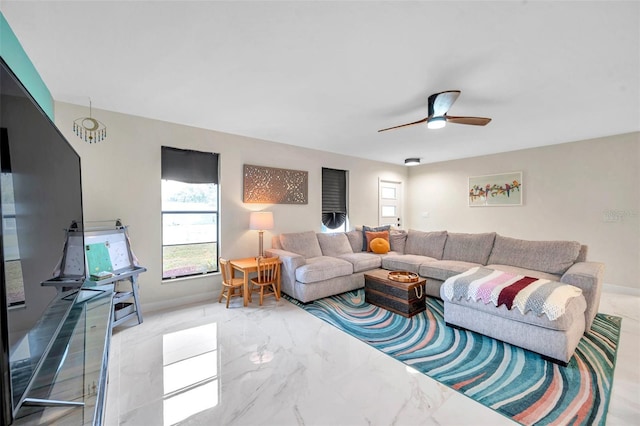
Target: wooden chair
(229, 285)
(268, 276)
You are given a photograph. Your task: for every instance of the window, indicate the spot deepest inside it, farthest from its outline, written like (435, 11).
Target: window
(189, 212)
(334, 199)
(12, 263)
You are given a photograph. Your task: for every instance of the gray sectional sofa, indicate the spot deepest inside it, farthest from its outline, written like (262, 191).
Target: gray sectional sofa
(320, 265)
(437, 256)
(316, 265)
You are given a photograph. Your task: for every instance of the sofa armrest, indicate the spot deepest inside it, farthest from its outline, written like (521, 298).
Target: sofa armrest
(588, 277)
(290, 262)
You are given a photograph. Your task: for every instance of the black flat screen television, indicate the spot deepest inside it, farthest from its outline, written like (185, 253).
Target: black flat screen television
(41, 197)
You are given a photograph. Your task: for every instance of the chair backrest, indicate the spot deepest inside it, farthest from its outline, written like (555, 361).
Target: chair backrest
(268, 269)
(225, 267)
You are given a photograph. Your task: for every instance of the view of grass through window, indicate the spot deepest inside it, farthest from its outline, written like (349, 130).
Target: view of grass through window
(12, 264)
(189, 228)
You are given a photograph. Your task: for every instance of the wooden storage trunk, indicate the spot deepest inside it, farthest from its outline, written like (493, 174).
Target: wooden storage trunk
(406, 299)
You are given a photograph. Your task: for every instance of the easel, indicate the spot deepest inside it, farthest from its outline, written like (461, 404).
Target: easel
(75, 268)
(124, 264)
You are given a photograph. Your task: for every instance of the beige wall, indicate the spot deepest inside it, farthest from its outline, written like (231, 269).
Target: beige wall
(121, 179)
(568, 190)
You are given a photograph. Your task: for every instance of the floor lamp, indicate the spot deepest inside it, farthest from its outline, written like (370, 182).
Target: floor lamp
(261, 221)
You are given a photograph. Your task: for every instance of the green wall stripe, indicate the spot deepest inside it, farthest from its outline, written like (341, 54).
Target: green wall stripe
(14, 55)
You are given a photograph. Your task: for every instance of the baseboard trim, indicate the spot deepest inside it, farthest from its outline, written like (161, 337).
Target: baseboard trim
(177, 302)
(619, 289)
(199, 297)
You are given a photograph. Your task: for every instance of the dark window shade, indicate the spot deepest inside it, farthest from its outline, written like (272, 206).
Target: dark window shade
(189, 166)
(333, 220)
(334, 197)
(334, 191)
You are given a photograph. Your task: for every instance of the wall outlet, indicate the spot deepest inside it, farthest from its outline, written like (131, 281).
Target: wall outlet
(611, 216)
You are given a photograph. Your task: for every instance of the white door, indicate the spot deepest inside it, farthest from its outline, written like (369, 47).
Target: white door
(390, 204)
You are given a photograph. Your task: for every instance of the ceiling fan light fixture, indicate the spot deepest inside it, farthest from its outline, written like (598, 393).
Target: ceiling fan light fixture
(436, 122)
(438, 106)
(411, 161)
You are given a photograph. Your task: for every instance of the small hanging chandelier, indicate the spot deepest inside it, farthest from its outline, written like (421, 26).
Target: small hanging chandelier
(89, 129)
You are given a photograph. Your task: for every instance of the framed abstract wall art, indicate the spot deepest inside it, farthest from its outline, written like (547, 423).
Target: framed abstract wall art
(504, 189)
(274, 186)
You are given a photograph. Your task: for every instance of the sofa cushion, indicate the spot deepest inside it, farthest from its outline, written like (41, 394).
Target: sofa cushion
(443, 269)
(303, 243)
(405, 262)
(430, 244)
(370, 236)
(582, 256)
(355, 239)
(362, 261)
(323, 268)
(371, 229)
(474, 248)
(554, 257)
(334, 244)
(275, 242)
(397, 240)
(523, 271)
(574, 312)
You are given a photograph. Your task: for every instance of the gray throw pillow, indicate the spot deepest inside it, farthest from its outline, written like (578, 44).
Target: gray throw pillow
(397, 240)
(371, 229)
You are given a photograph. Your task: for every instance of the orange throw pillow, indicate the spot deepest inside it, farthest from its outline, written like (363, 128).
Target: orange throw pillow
(372, 235)
(379, 246)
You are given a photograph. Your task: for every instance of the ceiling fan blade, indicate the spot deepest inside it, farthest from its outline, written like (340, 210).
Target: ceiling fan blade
(474, 121)
(404, 125)
(439, 103)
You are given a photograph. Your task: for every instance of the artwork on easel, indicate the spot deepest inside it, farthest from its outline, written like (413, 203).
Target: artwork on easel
(74, 261)
(114, 244)
(98, 258)
(104, 251)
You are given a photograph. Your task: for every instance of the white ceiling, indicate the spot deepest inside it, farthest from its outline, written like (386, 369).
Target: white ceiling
(328, 75)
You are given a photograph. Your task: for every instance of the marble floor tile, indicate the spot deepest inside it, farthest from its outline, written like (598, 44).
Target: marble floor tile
(279, 365)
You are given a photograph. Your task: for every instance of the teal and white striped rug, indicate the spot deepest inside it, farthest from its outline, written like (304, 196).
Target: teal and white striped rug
(512, 381)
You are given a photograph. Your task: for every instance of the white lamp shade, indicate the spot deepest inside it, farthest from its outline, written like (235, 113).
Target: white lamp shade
(261, 221)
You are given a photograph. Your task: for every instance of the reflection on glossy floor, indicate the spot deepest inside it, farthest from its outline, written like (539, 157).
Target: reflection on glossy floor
(278, 365)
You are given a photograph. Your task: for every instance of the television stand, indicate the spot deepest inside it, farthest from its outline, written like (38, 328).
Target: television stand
(35, 402)
(69, 383)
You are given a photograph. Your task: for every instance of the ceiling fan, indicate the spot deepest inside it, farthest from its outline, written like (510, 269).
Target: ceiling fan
(439, 104)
